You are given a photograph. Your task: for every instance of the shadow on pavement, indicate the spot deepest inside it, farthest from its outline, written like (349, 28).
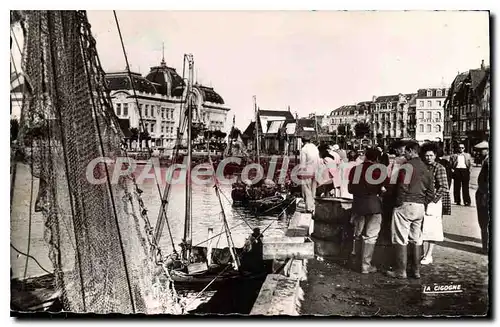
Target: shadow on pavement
(461, 247)
(460, 238)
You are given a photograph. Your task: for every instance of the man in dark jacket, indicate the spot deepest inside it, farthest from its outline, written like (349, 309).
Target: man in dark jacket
(414, 190)
(366, 184)
(483, 198)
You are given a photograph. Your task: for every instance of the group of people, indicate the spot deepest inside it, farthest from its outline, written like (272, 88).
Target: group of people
(408, 211)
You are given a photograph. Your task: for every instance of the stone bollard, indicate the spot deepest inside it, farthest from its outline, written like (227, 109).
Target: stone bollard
(332, 234)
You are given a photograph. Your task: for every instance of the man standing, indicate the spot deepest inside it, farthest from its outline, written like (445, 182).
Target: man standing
(461, 163)
(309, 164)
(414, 190)
(389, 197)
(482, 196)
(366, 208)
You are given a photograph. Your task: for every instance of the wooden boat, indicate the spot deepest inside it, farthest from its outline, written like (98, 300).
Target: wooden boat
(35, 294)
(219, 273)
(273, 205)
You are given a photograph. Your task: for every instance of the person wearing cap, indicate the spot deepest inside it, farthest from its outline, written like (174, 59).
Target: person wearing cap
(309, 164)
(461, 164)
(342, 153)
(252, 259)
(482, 196)
(366, 209)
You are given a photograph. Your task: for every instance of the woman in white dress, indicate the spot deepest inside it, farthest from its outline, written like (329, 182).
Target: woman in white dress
(432, 228)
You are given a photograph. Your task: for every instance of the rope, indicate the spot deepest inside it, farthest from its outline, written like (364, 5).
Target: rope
(110, 188)
(216, 235)
(66, 161)
(149, 231)
(31, 257)
(141, 120)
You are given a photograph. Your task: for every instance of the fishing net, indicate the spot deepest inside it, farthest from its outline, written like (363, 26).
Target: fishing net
(98, 244)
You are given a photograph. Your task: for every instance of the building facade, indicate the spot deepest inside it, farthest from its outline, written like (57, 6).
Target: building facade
(429, 114)
(158, 100)
(467, 109)
(348, 115)
(389, 117)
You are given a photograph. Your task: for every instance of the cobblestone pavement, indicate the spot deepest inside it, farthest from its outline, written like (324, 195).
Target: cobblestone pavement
(334, 289)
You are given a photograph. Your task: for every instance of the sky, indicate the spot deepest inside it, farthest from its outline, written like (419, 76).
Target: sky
(312, 61)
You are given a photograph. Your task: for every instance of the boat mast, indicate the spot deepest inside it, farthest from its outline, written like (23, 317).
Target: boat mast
(188, 217)
(230, 242)
(257, 139)
(316, 127)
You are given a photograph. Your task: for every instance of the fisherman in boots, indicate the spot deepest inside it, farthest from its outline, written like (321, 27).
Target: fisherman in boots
(366, 208)
(414, 190)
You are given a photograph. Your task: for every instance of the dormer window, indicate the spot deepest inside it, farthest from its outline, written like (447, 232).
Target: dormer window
(429, 93)
(438, 93)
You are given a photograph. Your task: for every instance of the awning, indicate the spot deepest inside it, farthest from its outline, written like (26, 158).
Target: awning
(274, 127)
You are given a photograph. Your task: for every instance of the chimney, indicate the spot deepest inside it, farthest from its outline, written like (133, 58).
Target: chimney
(482, 64)
(374, 98)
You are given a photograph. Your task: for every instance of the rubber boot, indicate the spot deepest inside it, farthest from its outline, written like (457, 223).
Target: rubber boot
(356, 255)
(366, 259)
(484, 239)
(400, 263)
(416, 253)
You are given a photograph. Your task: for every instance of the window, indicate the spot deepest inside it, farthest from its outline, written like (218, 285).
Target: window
(162, 128)
(438, 115)
(421, 128)
(171, 129)
(429, 114)
(125, 109)
(162, 112)
(429, 93)
(421, 104)
(438, 93)
(118, 109)
(421, 115)
(152, 111)
(438, 103)
(140, 109)
(152, 128)
(429, 128)
(437, 129)
(146, 109)
(429, 103)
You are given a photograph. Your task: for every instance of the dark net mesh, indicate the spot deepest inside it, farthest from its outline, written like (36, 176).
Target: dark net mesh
(98, 245)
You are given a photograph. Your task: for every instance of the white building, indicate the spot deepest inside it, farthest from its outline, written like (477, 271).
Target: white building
(347, 115)
(430, 114)
(159, 96)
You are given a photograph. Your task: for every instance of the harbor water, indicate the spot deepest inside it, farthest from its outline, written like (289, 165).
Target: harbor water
(206, 213)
